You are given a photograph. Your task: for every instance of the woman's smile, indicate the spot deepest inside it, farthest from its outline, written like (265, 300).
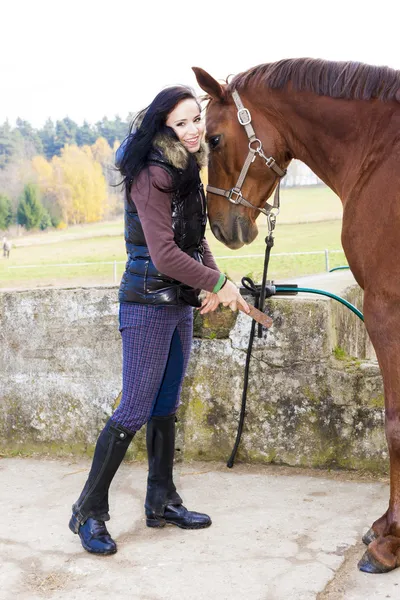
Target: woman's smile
(192, 141)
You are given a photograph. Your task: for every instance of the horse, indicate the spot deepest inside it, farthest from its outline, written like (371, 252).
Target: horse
(342, 119)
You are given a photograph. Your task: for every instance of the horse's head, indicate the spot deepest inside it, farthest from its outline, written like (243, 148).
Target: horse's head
(235, 224)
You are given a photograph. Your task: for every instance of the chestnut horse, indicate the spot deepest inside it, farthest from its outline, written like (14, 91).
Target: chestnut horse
(343, 121)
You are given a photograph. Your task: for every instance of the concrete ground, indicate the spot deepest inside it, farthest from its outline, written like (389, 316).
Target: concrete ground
(335, 282)
(277, 534)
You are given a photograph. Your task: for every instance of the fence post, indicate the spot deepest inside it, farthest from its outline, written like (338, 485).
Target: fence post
(327, 260)
(115, 271)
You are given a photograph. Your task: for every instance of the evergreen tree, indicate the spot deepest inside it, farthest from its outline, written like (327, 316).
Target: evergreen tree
(65, 134)
(31, 139)
(85, 135)
(46, 220)
(48, 137)
(121, 129)
(30, 209)
(6, 214)
(112, 130)
(7, 144)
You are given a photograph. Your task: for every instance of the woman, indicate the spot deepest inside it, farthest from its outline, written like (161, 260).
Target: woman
(169, 263)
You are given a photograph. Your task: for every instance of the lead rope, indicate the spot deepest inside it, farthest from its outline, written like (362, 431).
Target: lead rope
(259, 302)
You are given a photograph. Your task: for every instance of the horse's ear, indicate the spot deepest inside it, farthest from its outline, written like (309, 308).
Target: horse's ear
(209, 84)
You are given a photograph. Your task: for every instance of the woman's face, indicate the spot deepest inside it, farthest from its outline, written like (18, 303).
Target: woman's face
(186, 121)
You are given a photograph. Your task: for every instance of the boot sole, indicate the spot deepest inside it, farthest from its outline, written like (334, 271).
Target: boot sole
(156, 523)
(106, 553)
(181, 526)
(162, 523)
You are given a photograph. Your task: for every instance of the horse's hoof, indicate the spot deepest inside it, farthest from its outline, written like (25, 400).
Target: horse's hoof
(369, 537)
(369, 564)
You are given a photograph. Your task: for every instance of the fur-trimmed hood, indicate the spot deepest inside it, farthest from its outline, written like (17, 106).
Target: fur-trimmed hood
(176, 154)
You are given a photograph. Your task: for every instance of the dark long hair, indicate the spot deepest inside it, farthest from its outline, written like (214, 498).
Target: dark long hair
(133, 153)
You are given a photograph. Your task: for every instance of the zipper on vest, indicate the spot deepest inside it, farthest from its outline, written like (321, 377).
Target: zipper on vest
(145, 278)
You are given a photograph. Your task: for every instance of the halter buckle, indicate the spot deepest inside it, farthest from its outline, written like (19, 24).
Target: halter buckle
(235, 196)
(270, 162)
(246, 120)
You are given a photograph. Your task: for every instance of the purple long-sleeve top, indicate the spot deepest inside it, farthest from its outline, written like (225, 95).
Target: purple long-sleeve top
(154, 210)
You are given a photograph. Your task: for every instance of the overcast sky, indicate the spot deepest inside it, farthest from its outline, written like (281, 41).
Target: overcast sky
(88, 59)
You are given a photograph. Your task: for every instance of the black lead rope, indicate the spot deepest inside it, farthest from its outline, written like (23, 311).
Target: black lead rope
(259, 302)
(269, 241)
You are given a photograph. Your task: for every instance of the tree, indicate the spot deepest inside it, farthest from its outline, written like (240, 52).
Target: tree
(30, 209)
(31, 140)
(48, 137)
(46, 221)
(102, 152)
(112, 130)
(44, 172)
(85, 135)
(105, 155)
(121, 129)
(6, 214)
(45, 176)
(7, 144)
(79, 185)
(65, 133)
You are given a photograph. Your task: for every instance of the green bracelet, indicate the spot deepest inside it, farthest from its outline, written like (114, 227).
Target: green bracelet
(220, 283)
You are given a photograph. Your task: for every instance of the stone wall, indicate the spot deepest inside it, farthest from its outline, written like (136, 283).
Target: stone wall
(315, 392)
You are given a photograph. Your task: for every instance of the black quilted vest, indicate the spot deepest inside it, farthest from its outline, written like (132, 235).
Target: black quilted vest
(141, 282)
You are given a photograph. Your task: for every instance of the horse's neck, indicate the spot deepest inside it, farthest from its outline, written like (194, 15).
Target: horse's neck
(333, 137)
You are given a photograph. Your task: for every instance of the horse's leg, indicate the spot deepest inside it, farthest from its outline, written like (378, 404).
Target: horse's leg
(382, 318)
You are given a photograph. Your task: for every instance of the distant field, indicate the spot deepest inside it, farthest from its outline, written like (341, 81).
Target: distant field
(305, 204)
(305, 224)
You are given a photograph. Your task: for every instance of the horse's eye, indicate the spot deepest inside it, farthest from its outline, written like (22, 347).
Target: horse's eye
(214, 141)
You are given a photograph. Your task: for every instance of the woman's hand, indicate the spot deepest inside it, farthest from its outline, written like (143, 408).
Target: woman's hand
(209, 303)
(229, 295)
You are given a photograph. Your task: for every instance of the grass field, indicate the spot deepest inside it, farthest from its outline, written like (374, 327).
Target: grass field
(309, 221)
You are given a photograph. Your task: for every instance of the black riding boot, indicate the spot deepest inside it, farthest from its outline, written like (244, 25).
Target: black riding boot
(91, 509)
(163, 503)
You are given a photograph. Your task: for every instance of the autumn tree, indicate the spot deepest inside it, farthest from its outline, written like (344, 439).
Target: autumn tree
(72, 166)
(104, 155)
(44, 172)
(13, 178)
(79, 184)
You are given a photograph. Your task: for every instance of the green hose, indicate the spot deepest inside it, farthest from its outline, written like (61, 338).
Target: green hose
(338, 269)
(283, 288)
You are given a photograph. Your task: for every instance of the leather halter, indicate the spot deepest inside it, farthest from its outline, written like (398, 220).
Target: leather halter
(235, 195)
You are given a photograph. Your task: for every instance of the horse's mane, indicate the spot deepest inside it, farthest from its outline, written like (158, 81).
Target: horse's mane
(351, 80)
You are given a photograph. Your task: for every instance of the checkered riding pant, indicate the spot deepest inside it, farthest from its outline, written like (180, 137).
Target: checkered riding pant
(156, 344)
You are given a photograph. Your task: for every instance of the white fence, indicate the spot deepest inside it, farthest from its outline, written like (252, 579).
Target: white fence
(114, 263)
